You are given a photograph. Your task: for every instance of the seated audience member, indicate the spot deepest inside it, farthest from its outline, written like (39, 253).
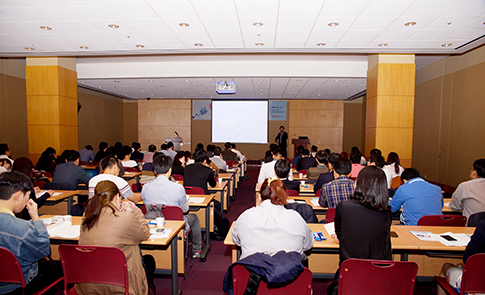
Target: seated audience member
(118, 145)
(305, 162)
(417, 198)
(126, 155)
(110, 223)
(268, 156)
(267, 169)
(299, 151)
(110, 171)
(210, 150)
(136, 155)
(199, 146)
(47, 161)
(378, 161)
(199, 173)
(339, 190)
(240, 156)
(70, 172)
(356, 150)
(163, 191)
(5, 164)
(314, 172)
(470, 195)
(362, 224)
(344, 155)
(148, 156)
(356, 167)
(187, 156)
(163, 149)
(228, 154)
(218, 159)
(179, 164)
(171, 152)
(5, 150)
(25, 166)
(376, 152)
(452, 273)
(326, 177)
(313, 151)
(282, 169)
(102, 152)
(111, 151)
(86, 154)
(27, 240)
(270, 227)
(327, 150)
(393, 168)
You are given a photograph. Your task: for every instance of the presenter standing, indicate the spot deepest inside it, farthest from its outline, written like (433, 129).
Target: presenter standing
(281, 139)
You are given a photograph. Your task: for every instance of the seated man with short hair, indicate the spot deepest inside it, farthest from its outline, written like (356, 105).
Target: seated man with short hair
(339, 190)
(27, 240)
(87, 154)
(70, 172)
(417, 198)
(282, 169)
(164, 192)
(325, 178)
(228, 154)
(199, 173)
(470, 195)
(305, 162)
(314, 172)
(218, 159)
(268, 169)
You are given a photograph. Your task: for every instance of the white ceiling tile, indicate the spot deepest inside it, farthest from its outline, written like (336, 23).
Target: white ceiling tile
(225, 34)
(194, 24)
(437, 45)
(193, 36)
(290, 43)
(257, 9)
(149, 24)
(295, 23)
(375, 23)
(71, 38)
(77, 26)
(125, 2)
(59, 13)
(5, 3)
(385, 8)
(290, 9)
(292, 34)
(98, 37)
(215, 9)
(13, 40)
(15, 28)
(430, 35)
(421, 22)
(132, 45)
(35, 27)
(53, 47)
(267, 43)
(414, 44)
(159, 35)
(344, 23)
(36, 39)
(395, 34)
(246, 23)
(221, 23)
(79, 3)
(464, 34)
(133, 36)
(207, 43)
(263, 34)
(94, 13)
(326, 35)
(181, 10)
(478, 23)
(429, 8)
(467, 8)
(360, 35)
(448, 23)
(21, 14)
(352, 43)
(339, 9)
(138, 11)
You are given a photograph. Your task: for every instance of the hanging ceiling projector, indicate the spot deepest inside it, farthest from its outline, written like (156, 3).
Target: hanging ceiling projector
(225, 87)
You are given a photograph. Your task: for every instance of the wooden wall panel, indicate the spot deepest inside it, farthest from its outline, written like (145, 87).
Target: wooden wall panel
(42, 80)
(395, 111)
(68, 111)
(130, 121)
(354, 125)
(43, 109)
(395, 79)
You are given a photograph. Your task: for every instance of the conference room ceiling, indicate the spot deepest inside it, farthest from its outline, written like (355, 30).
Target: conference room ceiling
(98, 28)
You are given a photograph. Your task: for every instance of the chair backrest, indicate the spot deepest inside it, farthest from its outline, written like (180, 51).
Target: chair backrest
(475, 218)
(318, 192)
(301, 286)
(134, 187)
(93, 264)
(39, 183)
(59, 186)
(303, 171)
(230, 164)
(291, 192)
(83, 163)
(330, 215)
(10, 270)
(130, 169)
(472, 279)
(442, 220)
(363, 276)
(178, 177)
(396, 182)
(193, 190)
(172, 213)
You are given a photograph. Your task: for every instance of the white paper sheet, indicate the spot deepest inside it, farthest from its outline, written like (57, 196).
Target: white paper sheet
(154, 234)
(330, 228)
(315, 202)
(196, 200)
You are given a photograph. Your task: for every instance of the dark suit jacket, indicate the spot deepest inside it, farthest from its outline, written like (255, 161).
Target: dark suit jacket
(292, 184)
(198, 175)
(305, 163)
(99, 156)
(323, 179)
(229, 156)
(282, 143)
(178, 169)
(136, 155)
(70, 173)
(268, 156)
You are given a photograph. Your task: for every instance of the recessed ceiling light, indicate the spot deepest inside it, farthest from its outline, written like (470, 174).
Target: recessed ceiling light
(113, 26)
(319, 94)
(46, 28)
(29, 48)
(333, 24)
(187, 80)
(410, 24)
(82, 82)
(117, 81)
(178, 93)
(140, 46)
(257, 24)
(261, 80)
(383, 45)
(84, 47)
(321, 44)
(194, 85)
(184, 25)
(336, 80)
(151, 94)
(100, 86)
(446, 45)
(198, 44)
(259, 44)
(150, 81)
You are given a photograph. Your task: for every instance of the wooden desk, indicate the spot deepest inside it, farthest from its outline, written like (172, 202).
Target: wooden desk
(230, 177)
(150, 247)
(130, 175)
(221, 190)
(62, 197)
(205, 213)
(90, 167)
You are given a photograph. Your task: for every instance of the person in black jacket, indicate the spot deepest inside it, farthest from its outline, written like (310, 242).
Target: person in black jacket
(281, 139)
(199, 173)
(282, 169)
(103, 146)
(326, 177)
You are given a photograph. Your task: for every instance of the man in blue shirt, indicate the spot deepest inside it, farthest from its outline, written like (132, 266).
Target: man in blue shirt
(417, 198)
(339, 190)
(165, 192)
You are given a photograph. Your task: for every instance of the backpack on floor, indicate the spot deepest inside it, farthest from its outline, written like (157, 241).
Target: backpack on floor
(221, 224)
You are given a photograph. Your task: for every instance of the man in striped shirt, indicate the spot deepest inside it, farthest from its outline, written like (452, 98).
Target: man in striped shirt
(341, 188)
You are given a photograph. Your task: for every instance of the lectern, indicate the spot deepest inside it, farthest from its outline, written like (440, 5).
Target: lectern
(297, 142)
(176, 142)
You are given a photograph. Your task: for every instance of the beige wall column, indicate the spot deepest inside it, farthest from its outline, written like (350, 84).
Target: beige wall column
(390, 105)
(51, 84)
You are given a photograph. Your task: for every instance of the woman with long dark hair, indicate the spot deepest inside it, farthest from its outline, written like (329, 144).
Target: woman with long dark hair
(392, 168)
(108, 222)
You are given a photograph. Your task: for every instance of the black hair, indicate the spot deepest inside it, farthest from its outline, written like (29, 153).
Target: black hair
(50, 150)
(176, 159)
(163, 146)
(72, 156)
(300, 149)
(228, 145)
(327, 150)
(89, 147)
(135, 145)
(409, 173)
(169, 144)
(200, 156)
(210, 147)
(371, 188)
(157, 154)
(355, 158)
(378, 160)
(102, 145)
(322, 157)
(333, 157)
(152, 148)
(355, 150)
(342, 166)
(111, 151)
(277, 152)
(3, 148)
(199, 146)
(376, 152)
(161, 164)
(12, 182)
(479, 166)
(306, 152)
(282, 168)
(273, 146)
(282, 126)
(125, 151)
(118, 145)
(314, 148)
(108, 162)
(217, 151)
(233, 145)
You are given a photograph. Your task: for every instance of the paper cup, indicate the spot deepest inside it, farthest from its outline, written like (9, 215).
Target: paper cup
(302, 182)
(300, 174)
(160, 221)
(220, 180)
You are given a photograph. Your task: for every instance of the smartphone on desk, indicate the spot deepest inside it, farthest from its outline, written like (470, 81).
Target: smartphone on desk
(448, 238)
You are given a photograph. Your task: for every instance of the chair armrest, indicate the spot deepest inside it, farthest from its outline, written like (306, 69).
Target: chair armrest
(445, 286)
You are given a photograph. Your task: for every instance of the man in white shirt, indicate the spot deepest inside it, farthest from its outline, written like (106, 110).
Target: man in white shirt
(240, 156)
(170, 150)
(267, 169)
(218, 160)
(470, 195)
(110, 171)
